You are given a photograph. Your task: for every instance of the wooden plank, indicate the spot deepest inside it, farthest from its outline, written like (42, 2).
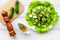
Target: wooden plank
(57, 9)
(51, 35)
(4, 35)
(23, 21)
(54, 2)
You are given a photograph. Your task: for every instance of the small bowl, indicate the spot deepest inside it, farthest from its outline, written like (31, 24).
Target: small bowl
(24, 32)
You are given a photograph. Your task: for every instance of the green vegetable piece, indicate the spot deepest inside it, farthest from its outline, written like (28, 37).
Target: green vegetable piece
(30, 23)
(43, 16)
(16, 7)
(11, 12)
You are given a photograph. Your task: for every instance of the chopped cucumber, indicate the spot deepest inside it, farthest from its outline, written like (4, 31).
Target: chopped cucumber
(30, 15)
(41, 15)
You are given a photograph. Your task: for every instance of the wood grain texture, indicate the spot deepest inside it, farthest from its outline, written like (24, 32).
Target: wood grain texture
(53, 34)
(7, 6)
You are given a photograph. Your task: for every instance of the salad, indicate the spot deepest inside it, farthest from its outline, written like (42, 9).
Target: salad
(41, 15)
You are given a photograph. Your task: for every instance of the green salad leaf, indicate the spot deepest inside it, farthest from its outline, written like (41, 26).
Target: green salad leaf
(42, 15)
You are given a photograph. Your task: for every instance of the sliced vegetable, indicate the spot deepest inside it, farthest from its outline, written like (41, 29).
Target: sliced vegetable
(11, 12)
(42, 15)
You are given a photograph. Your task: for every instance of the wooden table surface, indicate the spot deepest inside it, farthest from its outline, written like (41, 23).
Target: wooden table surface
(53, 34)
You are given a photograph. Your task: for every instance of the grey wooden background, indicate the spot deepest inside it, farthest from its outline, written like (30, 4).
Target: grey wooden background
(53, 34)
